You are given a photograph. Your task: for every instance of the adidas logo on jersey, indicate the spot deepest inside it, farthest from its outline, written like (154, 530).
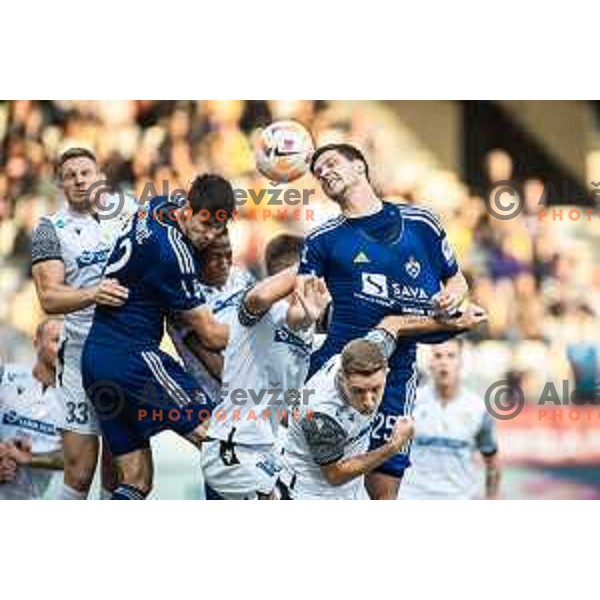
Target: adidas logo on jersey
(361, 257)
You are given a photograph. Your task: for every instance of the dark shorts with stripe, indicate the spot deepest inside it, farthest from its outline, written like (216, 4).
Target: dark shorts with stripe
(139, 394)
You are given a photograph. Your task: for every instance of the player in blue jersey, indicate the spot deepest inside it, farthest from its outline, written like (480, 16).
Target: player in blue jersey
(377, 259)
(137, 389)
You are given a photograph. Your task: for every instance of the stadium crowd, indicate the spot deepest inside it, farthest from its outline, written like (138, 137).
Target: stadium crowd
(536, 277)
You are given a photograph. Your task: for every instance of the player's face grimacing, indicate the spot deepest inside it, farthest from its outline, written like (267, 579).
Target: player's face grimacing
(76, 176)
(364, 392)
(445, 363)
(216, 263)
(337, 174)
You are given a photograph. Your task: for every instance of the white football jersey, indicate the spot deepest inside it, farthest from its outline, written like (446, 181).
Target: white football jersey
(83, 243)
(29, 411)
(224, 303)
(328, 430)
(262, 363)
(444, 446)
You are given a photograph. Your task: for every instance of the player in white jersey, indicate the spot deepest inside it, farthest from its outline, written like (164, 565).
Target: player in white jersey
(69, 251)
(452, 426)
(223, 287)
(266, 362)
(326, 451)
(30, 413)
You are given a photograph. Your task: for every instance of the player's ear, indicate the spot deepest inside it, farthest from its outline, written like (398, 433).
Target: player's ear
(359, 167)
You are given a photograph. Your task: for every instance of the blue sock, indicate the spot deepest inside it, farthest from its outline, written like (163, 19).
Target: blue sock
(125, 491)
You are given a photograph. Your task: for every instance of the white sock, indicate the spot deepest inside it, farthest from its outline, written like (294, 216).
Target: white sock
(68, 493)
(105, 494)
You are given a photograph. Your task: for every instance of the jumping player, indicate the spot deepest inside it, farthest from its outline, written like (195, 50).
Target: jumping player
(137, 389)
(379, 258)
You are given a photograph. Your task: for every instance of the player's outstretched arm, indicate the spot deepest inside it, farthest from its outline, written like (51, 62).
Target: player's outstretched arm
(309, 301)
(344, 470)
(410, 325)
(211, 334)
(270, 290)
(58, 298)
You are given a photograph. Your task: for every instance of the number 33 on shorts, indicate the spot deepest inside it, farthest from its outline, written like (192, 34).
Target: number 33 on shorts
(77, 412)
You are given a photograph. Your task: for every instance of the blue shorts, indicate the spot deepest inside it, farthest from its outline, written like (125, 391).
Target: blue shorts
(139, 394)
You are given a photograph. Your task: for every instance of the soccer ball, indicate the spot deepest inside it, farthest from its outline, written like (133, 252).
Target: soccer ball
(283, 151)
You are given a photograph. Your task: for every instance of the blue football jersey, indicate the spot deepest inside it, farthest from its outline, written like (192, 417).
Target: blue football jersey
(157, 263)
(391, 262)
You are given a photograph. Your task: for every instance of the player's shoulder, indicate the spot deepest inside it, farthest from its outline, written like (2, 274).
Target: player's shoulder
(421, 217)
(53, 223)
(326, 230)
(169, 241)
(323, 382)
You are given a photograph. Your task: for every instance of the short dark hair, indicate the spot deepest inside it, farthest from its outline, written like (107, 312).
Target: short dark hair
(282, 252)
(74, 153)
(347, 150)
(211, 193)
(362, 357)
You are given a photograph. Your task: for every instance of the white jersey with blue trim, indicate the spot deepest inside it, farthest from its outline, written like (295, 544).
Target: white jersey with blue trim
(327, 430)
(265, 366)
(224, 303)
(83, 243)
(446, 440)
(28, 411)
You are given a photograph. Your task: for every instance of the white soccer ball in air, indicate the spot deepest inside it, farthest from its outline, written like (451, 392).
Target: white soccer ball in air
(283, 151)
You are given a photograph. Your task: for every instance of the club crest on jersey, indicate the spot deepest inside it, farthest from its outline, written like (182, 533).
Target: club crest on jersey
(361, 258)
(413, 267)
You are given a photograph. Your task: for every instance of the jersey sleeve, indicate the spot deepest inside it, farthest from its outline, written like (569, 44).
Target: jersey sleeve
(486, 437)
(325, 438)
(312, 257)
(246, 317)
(174, 277)
(45, 244)
(441, 253)
(444, 258)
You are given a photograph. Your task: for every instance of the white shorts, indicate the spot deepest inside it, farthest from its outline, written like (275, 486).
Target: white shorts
(79, 414)
(299, 484)
(238, 472)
